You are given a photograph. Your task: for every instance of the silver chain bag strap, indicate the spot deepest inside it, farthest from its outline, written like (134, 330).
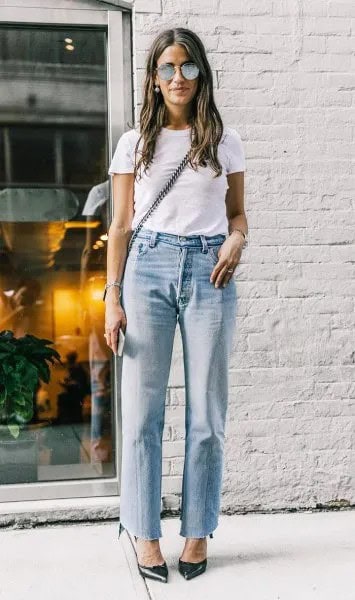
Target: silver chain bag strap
(157, 201)
(161, 195)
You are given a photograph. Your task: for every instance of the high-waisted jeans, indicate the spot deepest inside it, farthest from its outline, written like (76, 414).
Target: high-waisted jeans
(167, 280)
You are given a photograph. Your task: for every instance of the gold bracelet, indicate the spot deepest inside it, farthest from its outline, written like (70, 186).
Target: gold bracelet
(243, 234)
(237, 229)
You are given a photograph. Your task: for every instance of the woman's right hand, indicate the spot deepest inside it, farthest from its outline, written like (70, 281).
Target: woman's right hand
(115, 319)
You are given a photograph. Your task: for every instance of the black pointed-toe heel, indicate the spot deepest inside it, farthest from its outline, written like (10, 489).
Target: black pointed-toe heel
(120, 529)
(157, 572)
(190, 569)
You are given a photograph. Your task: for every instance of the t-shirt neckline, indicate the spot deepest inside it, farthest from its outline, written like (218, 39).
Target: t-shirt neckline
(176, 131)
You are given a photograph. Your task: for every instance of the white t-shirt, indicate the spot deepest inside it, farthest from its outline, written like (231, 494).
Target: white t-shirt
(195, 204)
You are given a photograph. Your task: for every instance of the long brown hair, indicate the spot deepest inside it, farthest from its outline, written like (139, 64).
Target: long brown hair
(205, 120)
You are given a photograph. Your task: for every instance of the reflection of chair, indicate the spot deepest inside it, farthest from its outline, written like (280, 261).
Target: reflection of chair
(46, 208)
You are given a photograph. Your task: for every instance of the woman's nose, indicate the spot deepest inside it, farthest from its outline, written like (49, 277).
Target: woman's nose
(178, 76)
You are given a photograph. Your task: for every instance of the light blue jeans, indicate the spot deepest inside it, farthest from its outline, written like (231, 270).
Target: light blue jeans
(167, 280)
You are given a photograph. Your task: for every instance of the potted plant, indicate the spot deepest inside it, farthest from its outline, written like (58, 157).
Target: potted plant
(23, 361)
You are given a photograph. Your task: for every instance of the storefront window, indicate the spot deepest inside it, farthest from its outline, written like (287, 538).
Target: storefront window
(54, 213)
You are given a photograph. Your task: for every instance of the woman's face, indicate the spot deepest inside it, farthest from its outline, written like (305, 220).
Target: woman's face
(176, 55)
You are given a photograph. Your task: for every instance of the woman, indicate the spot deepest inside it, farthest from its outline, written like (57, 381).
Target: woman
(180, 269)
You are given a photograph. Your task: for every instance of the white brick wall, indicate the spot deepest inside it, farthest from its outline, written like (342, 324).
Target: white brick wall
(282, 72)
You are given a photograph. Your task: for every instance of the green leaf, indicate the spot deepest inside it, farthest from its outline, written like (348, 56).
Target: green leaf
(14, 430)
(23, 362)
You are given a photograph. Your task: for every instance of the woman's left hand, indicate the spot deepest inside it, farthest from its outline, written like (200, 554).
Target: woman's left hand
(229, 256)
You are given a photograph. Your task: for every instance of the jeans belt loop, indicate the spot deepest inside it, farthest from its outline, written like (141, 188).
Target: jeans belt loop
(153, 239)
(204, 243)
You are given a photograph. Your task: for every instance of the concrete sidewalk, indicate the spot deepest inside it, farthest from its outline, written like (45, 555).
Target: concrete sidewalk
(285, 556)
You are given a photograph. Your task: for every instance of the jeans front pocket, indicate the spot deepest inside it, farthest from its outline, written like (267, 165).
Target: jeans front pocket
(213, 254)
(138, 249)
(142, 247)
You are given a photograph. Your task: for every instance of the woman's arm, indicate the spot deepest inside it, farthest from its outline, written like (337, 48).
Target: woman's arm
(120, 231)
(235, 204)
(231, 249)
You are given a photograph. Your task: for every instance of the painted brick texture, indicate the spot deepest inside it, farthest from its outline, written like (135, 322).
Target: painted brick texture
(284, 78)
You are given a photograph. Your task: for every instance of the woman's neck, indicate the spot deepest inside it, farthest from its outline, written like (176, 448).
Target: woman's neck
(177, 121)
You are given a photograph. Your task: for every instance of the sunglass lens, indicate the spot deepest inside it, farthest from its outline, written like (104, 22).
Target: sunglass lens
(166, 72)
(190, 70)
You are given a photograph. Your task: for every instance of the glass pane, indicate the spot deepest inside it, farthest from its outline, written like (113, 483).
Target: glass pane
(83, 153)
(54, 209)
(28, 161)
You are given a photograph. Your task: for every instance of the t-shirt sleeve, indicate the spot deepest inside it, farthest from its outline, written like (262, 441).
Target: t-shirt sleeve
(122, 160)
(236, 156)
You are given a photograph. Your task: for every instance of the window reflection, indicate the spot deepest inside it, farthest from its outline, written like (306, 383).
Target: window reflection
(54, 212)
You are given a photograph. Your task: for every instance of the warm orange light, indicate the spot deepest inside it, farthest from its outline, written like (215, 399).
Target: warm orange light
(96, 294)
(81, 224)
(94, 289)
(66, 302)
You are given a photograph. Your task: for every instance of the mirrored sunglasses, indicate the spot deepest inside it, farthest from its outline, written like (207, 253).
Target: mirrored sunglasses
(189, 70)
